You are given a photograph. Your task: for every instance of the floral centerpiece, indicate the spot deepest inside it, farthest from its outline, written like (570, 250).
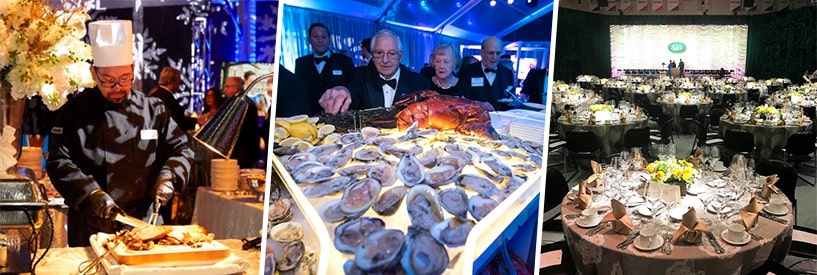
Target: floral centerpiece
(791, 94)
(726, 88)
(685, 94)
(673, 171)
(562, 87)
(601, 107)
(644, 87)
(765, 110)
(43, 52)
(585, 78)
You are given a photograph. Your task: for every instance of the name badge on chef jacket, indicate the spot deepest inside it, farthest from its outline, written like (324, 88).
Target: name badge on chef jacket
(476, 82)
(337, 72)
(149, 134)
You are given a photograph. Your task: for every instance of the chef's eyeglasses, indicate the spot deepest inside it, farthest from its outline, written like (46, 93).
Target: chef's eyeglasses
(110, 82)
(389, 54)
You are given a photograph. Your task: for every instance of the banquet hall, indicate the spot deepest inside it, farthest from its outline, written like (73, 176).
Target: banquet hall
(686, 128)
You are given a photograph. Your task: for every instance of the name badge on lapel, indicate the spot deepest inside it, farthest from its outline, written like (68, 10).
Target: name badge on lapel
(476, 82)
(149, 134)
(337, 72)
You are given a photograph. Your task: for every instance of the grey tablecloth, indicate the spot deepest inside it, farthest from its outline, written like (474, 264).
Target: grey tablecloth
(768, 138)
(673, 109)
(629, 96)
(718, 96)
(598, 254)
(609, 135)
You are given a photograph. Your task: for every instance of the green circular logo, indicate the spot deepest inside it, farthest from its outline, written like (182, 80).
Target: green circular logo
(677, 47)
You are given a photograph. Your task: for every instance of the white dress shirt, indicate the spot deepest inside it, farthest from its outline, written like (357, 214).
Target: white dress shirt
(388, 92)
(491, 76)
(320, 66)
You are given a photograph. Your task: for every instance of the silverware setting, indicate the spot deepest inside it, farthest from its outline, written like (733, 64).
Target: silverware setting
(667, 247)
(754, 236)
(626, 243)
(773, 218)
(712, 240)
(598, 228)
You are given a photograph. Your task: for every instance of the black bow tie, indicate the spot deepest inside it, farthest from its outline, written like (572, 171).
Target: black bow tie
(391, 82)
(318, 60)
(490, 71)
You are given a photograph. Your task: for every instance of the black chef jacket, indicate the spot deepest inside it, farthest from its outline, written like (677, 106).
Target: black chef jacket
(122, 149)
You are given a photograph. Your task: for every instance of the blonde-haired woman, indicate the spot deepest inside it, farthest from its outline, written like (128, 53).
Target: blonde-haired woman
(445, 60)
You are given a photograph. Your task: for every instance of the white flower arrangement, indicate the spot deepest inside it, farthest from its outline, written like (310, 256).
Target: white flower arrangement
(43, 52)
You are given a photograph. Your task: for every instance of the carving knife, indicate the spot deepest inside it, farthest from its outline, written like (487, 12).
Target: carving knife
(120, 216)
(155, 215)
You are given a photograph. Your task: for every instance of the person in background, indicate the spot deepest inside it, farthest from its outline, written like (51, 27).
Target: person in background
(378, 86)
(810, 78)
(365, 51)
(534, 85)
(722, 73)
(321, 69)
(428, 68)
(249, 77)
(445, 60)
(681, 67)
(212, 101)
(486, 81)
(344, 52)
(246, 150)
(113, 149)
(170, 82)
(670, 66)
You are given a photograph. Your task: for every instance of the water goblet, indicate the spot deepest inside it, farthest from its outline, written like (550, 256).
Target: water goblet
(653, 196)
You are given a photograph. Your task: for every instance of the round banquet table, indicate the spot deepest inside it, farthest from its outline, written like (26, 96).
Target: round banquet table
(768, 137)
(598, 254)
(608, 134)
(673, 109)
(561, 99)
(652, 95)
(717, 96)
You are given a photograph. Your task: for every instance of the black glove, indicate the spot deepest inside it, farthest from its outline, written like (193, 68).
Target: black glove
(102, 204)
(164, 190)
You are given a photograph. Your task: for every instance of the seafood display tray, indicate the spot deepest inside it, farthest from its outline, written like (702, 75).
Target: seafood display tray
(463, 259)
(525, 124)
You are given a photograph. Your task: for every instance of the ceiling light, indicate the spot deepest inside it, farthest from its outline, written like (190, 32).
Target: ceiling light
(510, 2)
(493, 3)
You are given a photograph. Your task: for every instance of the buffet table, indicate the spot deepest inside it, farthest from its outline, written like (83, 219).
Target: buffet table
(599, 253)
(66, 260)
(768, 137)
(608, 134)
(228, 216)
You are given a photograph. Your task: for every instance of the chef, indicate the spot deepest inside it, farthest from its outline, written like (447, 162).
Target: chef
(113, 148)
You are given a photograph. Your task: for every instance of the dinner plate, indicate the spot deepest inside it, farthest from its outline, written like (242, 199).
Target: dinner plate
(720, 169)
(718, 183)
(657, 241)
(777, 212)
(635, 200)
(746, 238)
(644, 210)
(678, 213)
(713, 210)
(696, 189)
(580, 222)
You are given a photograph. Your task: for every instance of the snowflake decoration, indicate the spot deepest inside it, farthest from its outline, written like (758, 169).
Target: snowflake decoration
(189, 99)
(267, 54)
(148, 54)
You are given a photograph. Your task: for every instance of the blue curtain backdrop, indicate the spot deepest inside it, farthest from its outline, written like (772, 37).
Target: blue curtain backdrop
(347, 32)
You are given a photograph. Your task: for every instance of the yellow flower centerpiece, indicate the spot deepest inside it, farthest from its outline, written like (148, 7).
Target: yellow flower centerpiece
(765, 110)
(601, 107)
(727, 88)
(791, 94)
(686, 94)
(42, 52)
(673, 171)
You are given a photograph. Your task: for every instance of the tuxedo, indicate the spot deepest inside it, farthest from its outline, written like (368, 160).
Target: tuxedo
(176, 110)
(535, 85)
(337, 71)
(474, 84)
(367, 88)
(292, 98)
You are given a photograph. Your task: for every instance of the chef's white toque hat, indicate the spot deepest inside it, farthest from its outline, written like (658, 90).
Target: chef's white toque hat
(111, 42)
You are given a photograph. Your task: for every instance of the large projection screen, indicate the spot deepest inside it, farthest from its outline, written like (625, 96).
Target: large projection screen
(708, 47)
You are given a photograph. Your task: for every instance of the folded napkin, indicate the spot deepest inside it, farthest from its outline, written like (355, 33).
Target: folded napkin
(638, 112)
(768, 187)
(557, 98)
(691, 230)
(585, 196)
(749, 213)
(594, 179)
(732, 116)
(801, 119)
(568, 115)
(687, 101)
(781, 122)
(695, 158)
(623, 117)
(638, 159)
(622, 223)
(591, 120)
(752, 119)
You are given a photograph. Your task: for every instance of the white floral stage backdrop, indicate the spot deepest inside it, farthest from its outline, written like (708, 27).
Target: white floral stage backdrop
(707, 47)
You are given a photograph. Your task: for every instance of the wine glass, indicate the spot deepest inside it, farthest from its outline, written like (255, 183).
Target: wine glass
(653, 196)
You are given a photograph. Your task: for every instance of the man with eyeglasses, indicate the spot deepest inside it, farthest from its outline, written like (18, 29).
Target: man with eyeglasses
(322, 69)
(112, 148)
(247, 149)
(485, 81)
(170, 82)
(377, 86)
